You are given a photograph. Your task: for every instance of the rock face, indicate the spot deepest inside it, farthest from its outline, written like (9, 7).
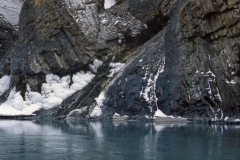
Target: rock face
(182, 57)
(9, 17)
(10, 10)
(8, 35)
(59, 40)
(212, 76)
(201, 74)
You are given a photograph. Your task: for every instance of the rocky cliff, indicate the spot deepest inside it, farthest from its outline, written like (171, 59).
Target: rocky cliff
(176, 57)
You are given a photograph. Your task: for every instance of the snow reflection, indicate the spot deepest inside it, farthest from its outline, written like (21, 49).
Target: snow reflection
(117, 140)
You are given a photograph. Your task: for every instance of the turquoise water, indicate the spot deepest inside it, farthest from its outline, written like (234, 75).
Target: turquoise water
(27, 140)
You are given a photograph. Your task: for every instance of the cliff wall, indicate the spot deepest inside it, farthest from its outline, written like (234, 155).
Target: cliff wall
(181, 57)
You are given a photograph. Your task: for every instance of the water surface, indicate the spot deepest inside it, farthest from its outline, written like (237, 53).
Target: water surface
(27, 140)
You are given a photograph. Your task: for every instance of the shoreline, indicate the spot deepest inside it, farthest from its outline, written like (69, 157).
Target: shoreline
(168, 120)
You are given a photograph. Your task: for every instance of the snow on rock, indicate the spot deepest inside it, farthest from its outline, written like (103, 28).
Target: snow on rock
(232, 120)
(80, 80)
(232, 81)
(57, 89)
(96, 64)
(115, 68)
(33, 97)
(15, 105)
(148, 91)
(10, 10)
(4, 84)
(109, 3)
(77, 112)
(54, 91)
(86, 16)
(97, 110)
(159, 113)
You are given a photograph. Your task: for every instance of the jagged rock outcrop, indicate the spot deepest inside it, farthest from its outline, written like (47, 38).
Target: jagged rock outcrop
(212, 79)
(182, 57)
(55, 39)
(200, 78)
(9, 17)
(8, 36)
(66, 36)
(10, 10)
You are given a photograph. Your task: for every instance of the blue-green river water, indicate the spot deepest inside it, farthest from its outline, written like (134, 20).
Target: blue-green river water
(27, 140)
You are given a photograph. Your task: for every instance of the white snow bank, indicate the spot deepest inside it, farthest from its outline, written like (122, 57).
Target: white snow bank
(4, 84)
(159, 113)
(115, 68)
(97, 110)
(109, 3)
(10, 9)
(57, 89)
(80, 80)
(15, 105)
(53, 93)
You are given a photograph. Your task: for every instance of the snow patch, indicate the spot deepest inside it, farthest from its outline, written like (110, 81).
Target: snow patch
(76, 112)
(211, 73)
(54, 91)
(109, 3)
(149, 92)
(10, 10)
(80, 80)
(96, 64)
(232, 81)
(57, 89)
(232, 120)
(160, 70)
(97, 110)
(4, 84)
(116, 114)
(159, 113)
(115, 68)
(15, 105)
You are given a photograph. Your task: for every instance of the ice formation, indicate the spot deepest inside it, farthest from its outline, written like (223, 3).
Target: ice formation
(97, 110)
(54, 91)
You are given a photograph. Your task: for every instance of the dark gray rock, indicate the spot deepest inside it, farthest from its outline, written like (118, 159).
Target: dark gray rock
(8, 36)
(134, 92)
(199, 78)
(182, 57)
(55, 37)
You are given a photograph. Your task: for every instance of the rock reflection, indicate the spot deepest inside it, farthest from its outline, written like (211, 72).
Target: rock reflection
(117, 140)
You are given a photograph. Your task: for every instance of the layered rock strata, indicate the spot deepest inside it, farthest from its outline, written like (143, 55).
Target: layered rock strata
(181, 57)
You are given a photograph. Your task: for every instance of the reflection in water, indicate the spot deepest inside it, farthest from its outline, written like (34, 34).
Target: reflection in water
(117, 140)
